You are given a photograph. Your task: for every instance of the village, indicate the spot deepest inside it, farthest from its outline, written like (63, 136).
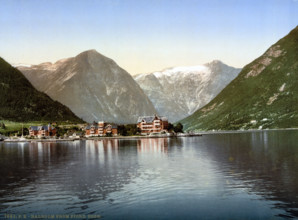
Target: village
(146, 126)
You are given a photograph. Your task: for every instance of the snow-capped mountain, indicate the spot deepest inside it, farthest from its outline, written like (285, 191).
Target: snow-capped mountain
(16, 65)
(93, 86)
(178, 92)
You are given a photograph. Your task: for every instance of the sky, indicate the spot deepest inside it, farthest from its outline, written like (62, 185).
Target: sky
(143, 36)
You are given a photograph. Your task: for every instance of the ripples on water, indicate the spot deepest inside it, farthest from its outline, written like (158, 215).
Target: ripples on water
(218, 176)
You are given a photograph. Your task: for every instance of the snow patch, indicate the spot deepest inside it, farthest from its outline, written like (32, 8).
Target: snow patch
(199, 68)
(282, 88)
(272, 99)
(259, 67)
(209, 108)
(265, 61)
(182, 70)
(255, 71)
(274, 51)
(21, 65)
(253, 122)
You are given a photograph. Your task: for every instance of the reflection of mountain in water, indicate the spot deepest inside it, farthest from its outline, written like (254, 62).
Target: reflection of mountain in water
(266, 162)
(145, 177)
(78, 173)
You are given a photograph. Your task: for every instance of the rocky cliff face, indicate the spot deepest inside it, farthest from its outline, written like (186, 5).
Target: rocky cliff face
(93, 86)
(20, 101)
(264, 95)
(178, 92)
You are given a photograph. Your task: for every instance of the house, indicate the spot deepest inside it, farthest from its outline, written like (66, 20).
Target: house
(76, 135)
(101, 129)
(152, 124)
(42, 131)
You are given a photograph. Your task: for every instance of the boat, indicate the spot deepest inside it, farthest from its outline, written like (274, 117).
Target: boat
(22, 138)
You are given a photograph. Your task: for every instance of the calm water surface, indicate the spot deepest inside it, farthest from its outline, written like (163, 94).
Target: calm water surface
(251, 175)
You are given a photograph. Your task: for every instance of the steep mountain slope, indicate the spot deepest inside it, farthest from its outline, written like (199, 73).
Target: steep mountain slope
(178, 92)
(264, 95)
(93, 86)
(20, 101)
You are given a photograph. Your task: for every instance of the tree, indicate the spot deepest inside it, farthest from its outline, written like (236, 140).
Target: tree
(170, 127)
(25, 131)
(2, 125)
(128, 130)
(61, 131)
(109, 135)
(178, 128)
(121, 130)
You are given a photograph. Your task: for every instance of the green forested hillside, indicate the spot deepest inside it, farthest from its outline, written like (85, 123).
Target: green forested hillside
(20, 101)
(264, 95)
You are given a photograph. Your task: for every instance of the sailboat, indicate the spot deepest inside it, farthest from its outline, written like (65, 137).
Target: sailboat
(22, 137)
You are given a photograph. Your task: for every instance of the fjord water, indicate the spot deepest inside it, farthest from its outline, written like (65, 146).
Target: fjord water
(248, 175)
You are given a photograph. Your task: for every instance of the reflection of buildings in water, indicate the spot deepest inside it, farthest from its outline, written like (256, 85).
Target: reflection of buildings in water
(88, 170)
(155, 145)
(102, 149)
(40, 152)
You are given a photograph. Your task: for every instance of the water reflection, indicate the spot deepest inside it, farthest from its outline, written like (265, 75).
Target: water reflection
(64, 176)
(153, 145)
(227, 176)
(265, 162)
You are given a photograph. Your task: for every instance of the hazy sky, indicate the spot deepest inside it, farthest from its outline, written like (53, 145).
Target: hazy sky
(144, 35)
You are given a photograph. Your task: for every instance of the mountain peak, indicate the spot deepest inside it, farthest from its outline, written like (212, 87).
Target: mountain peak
(93, 86)
(92, 56)
(92, 52)
(215, 63)
(179, 91)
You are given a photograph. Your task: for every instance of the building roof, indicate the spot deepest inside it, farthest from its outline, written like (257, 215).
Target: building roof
(113, 126)
(150, 119)
(91, 125)
(42, 127)
(147, 119)
(96, 126)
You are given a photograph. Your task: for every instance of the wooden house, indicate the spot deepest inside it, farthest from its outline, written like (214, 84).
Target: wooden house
(101, 129)
(152, 124)
(42, 131)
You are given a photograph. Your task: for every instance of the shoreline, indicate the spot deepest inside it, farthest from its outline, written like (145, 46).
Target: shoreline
(246, 131)
(98, 138)
(143, 137)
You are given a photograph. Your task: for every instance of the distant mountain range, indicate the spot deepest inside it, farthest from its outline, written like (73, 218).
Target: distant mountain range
(178, 92)
(264, 95)
(93, 86)
(20, 101)
(216, 96)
